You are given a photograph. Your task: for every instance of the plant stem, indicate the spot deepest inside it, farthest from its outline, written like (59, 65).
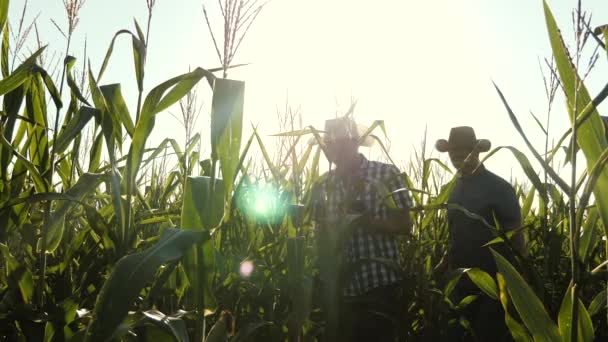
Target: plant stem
(572, 210)
(49, 174)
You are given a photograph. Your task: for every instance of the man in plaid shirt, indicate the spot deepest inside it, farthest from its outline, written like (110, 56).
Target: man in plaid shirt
(366, 190)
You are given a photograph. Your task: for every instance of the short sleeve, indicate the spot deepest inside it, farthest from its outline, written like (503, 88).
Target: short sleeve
(506, 207)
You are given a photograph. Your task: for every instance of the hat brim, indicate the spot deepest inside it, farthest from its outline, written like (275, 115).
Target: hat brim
(483, 145)
(367, 141)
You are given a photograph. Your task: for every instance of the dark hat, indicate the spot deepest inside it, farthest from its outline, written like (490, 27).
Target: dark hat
(463, 137)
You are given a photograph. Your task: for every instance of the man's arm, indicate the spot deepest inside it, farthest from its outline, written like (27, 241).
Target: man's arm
(509, 215)
(395, 220)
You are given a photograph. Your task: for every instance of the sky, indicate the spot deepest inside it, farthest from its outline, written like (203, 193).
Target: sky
(418, 65)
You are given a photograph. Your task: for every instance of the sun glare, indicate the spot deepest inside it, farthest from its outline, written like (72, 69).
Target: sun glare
(246, 269)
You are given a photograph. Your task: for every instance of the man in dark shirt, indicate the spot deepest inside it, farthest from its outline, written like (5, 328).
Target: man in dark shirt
(485, 194)
(357, 186)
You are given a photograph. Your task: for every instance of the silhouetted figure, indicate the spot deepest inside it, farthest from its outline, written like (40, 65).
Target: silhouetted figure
(370, 301)
(481, 192)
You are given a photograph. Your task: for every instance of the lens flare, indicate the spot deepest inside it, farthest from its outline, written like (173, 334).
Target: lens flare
(246, 269)
(262, 203)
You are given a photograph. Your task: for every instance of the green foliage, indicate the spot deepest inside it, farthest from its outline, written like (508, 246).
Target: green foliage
(130, 274)
(100, 236)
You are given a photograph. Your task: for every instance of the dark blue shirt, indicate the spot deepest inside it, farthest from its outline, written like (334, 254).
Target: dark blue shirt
(490, 197)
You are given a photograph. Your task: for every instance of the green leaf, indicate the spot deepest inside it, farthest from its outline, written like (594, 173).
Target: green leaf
(155, 102)
(539, 124)
(197, 212)
(528, 202)
(130, 275)
(36, 111)
(226, 127)
(591, 136)
(484, 281)
(21, 74)
(556, 178)
(117, 107)
(73, 129)
(5, 50)
(200, 214)
(518, 332)
(530, 308)
(466, 301)
(598, 303)
(139, 60)
(109, 124)
(3, 12)
(453, 279)
(19, 276)
(12, 103)
(106, 59)
(585, 326)
(95, 153)
(588, 239)
(50, 86)
(56, 225)
(39, 182)
(69, 64)
(273, 169)
(140, 33)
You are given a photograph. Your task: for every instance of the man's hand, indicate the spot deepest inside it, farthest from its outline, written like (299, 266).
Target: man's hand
(398, 222)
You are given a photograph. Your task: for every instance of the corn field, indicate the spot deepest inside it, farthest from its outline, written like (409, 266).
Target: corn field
(104, 238)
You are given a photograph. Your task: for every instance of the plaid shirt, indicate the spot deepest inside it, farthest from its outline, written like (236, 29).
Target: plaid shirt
(376, 180)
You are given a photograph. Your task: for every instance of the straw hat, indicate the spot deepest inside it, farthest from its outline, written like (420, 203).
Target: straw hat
(345, 128)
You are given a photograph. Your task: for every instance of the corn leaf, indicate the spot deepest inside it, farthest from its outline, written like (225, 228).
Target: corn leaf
(53, 232)
(5, 50)
(39, 182)
(21, 74)
(202, 210)
(585, 326)
(130, 275)
(530, 308)
(484, 281)
(556, 178)
(591, 134)
(226, 127)
(588, 240)
(19, 276)
(598, 303)
(117, 107)
(73, 129)
(3, 12)
(95, 153)
(155, 102)
(69, 64)
(528, 201)
(518, 332)
(109, 52)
